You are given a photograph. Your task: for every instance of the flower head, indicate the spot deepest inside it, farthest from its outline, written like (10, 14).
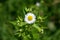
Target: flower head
(38, 4)
(30, 18)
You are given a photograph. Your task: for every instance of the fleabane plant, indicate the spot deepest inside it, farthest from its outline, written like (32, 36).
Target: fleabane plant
(28, 27)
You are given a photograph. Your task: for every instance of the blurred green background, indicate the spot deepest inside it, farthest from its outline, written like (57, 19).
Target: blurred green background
(10, 9)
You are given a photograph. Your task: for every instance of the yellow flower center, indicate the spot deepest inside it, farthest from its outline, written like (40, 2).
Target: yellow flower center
(30, 17)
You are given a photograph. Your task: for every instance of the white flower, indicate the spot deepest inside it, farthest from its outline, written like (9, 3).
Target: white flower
(38, 4)
(30, 18)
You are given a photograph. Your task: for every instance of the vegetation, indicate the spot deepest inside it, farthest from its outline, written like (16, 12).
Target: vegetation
(14, 27)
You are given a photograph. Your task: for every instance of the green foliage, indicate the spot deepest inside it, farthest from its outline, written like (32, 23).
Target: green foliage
(13, 26)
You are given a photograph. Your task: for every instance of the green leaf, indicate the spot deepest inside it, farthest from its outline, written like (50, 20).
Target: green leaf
(25, 37)
(14, 22)
(22, 24)
(35, 34)
(37, 27)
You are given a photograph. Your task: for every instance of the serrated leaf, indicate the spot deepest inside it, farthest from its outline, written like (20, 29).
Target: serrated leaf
(37, 27)
(14, 23)
(22, 24)
(35, 34)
